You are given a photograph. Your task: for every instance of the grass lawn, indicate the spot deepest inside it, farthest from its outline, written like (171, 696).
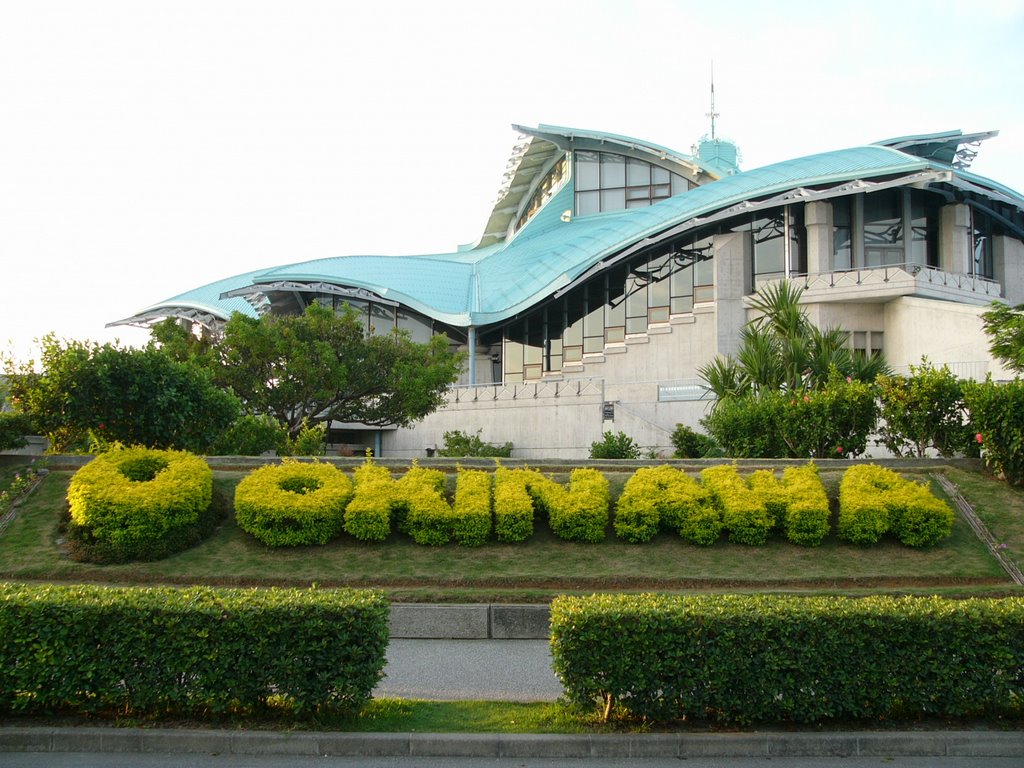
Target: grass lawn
(544, 565)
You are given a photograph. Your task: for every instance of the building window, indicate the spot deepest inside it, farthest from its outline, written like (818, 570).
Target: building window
(867, 343)
(883, 228)
(842, 234)
(776, 238)
(550, 184)
(982, 262)
(608, 182)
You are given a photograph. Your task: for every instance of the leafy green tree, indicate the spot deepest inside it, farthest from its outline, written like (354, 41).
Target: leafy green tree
(134, 396)
(997, 413)
(924, 410)
(322, 365)
(1004, 326)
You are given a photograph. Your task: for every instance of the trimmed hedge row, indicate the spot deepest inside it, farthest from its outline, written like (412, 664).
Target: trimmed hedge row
(293, 503)
(745, 659)
(199, 650)
(139, 504)
(874, 500)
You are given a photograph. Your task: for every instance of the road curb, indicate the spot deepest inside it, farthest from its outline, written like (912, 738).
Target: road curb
(682, 745)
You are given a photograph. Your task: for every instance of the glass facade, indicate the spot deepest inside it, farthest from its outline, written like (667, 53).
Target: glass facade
(550, 184)
(605, 181)
(626, 300)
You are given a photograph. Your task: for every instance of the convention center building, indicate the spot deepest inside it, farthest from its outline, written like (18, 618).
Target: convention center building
(611, 269)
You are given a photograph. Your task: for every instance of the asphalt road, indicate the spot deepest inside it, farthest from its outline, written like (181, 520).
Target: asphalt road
(453, 670)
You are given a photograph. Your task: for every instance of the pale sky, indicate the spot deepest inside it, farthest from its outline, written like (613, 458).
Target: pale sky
(150, 147)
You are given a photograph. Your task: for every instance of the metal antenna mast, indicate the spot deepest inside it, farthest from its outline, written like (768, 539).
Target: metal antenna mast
(712, 114)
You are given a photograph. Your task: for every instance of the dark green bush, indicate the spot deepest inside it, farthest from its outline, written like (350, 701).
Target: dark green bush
(690, 444)
(997, 416)
(250, 436)
(765, 658)
(195, 651)
(458, 444)
(831, 422)
(615, 446)
(748, 426)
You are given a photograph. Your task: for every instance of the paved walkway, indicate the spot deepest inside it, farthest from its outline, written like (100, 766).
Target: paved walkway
(453, 670)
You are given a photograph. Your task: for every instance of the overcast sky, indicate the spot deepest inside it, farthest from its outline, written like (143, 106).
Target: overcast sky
(147, 148)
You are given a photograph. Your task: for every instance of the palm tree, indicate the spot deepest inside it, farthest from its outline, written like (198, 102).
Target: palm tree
(782, 349)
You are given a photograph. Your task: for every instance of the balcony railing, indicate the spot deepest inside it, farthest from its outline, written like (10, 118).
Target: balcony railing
(534, 390)
(892, 273)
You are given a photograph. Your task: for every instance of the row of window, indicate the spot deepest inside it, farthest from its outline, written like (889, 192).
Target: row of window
(605, 181)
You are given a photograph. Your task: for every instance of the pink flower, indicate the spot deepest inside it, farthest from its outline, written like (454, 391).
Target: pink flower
(978, 438)
(839, 449)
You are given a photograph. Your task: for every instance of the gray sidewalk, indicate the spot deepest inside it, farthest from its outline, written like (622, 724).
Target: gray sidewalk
(888, 744)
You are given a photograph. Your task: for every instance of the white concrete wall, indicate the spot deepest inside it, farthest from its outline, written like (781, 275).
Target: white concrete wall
(626, 375)
(947, 333)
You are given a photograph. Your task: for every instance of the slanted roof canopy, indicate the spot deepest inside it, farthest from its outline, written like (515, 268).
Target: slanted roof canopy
(502, 277)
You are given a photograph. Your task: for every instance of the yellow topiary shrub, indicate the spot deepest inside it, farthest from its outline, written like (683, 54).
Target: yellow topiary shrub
(139, 504)
(293, 503)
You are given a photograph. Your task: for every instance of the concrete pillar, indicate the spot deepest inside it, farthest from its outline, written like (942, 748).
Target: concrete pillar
(955, 239)
(818, 222)
(733, 271)
(1008, 253)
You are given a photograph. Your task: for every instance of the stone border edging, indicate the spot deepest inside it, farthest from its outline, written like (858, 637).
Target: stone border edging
(470, 621)
(682, 745)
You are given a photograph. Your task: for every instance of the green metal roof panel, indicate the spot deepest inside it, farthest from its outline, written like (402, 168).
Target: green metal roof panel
(206, 298)
(491, 284)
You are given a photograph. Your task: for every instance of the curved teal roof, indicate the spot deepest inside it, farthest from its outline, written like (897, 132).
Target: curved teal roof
(493, 283)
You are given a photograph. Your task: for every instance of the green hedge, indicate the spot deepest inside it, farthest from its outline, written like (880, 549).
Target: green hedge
(292, 504)
(874, 501)
(199, 650)
(139, 504)
(745, 659)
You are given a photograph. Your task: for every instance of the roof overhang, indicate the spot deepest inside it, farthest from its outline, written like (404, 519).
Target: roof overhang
(261, 295)
(149, 318)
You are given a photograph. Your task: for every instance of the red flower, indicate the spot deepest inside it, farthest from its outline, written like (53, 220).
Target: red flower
(839, 449)
(978, 438)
